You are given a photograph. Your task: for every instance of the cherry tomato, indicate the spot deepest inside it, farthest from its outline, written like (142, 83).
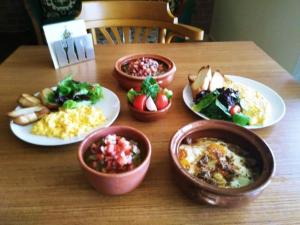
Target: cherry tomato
(137, 88)
(139, 102)
(234, 109)
(161, 101)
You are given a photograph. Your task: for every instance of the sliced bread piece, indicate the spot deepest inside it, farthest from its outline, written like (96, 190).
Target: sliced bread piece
(202, 81)
(23, 111)
(31, 116)
(27, 100)
(192, 78)
(44, 96)
(26, 119)
(217, 81)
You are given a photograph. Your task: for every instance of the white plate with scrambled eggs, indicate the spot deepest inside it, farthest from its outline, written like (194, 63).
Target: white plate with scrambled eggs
(66, 131)
(255, 96)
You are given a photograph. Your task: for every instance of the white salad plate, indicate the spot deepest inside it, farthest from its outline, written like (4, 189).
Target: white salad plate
(276, 102)
(109, 105)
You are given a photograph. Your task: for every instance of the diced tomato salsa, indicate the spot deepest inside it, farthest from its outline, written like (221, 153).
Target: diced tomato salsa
(113, 154)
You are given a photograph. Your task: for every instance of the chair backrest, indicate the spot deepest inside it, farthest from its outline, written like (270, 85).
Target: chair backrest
(117, 22)
(34, 11)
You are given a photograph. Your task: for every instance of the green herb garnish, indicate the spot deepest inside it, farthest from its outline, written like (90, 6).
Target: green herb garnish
(168, 93)
(131, 95)
(150, 87)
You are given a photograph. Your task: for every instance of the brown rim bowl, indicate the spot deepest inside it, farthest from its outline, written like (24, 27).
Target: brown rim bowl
(203, 192)
(148, 116)
(116, 183)
(127, 81)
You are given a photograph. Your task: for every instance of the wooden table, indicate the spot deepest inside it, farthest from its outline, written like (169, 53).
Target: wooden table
(44, 185)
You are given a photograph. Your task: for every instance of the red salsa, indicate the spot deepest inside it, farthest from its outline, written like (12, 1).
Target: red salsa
(144, 66)
(113, 154)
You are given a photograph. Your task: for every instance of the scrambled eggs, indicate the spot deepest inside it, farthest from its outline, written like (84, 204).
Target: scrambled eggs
(67, 123)
(254, 104)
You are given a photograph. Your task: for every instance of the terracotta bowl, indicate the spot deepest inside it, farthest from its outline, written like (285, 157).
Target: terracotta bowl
(127, 81)
(147, 116)
(203, 192)
(117, 183)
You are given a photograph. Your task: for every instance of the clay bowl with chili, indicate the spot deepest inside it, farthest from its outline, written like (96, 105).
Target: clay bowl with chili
(111, 181)
(149, 116)
(131, 70)
(198, 185)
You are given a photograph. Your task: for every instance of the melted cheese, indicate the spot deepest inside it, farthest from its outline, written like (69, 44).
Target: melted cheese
(206, 155)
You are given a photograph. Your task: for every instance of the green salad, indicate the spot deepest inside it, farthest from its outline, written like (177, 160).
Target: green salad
(71, 94)
(221, 104)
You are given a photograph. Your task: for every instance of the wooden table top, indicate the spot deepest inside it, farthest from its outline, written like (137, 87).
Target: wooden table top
(45, 185)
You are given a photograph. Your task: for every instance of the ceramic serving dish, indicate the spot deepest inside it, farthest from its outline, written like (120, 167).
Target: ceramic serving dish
(116, 183)
(128, 81)
(203, 192)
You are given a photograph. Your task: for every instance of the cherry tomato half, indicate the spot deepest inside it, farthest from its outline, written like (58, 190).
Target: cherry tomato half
(234, 109)
(137, 88)
(161, 101)
(139, 102)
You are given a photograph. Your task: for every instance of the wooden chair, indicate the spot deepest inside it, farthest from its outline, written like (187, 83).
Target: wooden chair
(132, 22)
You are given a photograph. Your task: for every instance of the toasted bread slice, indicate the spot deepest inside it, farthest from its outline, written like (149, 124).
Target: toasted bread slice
(26, 119)
(31, 116)
(202, 81)
(217, 81)
(27, 100)
(19, 112)
(207, 79)
(44, 98)
(192, 78)
(43, 112)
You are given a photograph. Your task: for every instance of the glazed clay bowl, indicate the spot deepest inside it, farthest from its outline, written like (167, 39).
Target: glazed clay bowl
(148, 116)
(128, 81)
(116, 183)
(203, 192)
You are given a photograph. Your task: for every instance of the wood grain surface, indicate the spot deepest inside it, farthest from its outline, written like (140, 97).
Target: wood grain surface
(44, 185)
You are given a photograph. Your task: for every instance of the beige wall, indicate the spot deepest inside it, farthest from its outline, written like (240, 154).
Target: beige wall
(273, 24)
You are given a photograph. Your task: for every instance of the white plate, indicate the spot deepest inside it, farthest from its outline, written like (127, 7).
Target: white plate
(109, 105)
(276, 102)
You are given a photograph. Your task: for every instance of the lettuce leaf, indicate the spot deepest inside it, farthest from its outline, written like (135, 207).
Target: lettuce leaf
(205, 101)
(70, 104)
(70, 92)
(95, 93)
